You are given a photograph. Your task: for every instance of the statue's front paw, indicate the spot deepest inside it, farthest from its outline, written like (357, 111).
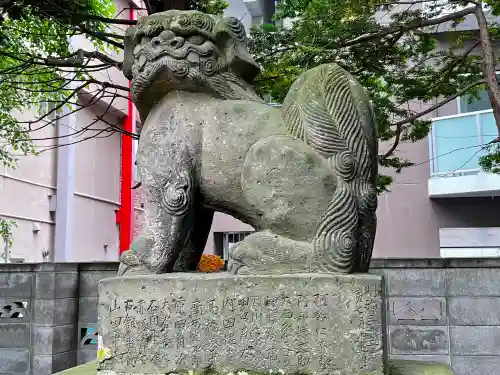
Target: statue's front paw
(237, 268)
(131, 264)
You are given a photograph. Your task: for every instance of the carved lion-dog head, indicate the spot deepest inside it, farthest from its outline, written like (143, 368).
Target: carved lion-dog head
(187, 51)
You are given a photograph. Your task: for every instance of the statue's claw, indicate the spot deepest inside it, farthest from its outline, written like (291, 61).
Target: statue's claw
(131, 264)
(236, 267)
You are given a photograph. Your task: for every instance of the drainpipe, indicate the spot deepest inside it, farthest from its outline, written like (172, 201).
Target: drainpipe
(65, 187)
(125, 213)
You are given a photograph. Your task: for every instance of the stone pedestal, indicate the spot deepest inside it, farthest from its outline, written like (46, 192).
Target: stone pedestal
(308, 323)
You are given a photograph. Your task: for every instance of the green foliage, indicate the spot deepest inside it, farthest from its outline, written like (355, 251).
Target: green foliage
(6, 231)
(398, 63)
(208, 6)
(28, 39)
(491, 161)
(29, 36)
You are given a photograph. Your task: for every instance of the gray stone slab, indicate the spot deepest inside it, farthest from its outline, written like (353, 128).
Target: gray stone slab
(55, 311)
(89, 281)
(63, 361)
(470, 365)
(56, 267)
(43, 312)
(436, 263)
(14, 361)
(42, 364)
(66, 311)
(468, 311)
(86, 355)
(56, 285)
(66, 285)
(17, 268)
(100, 266)
(475, 340)
(416, 311)
(396, 367)
(14, 335)
(473, 263)
(157, 324)
(424, 358)
(87, 311)
(416, 282)
(473, 282)
(43, 338)
(18, 285)
(408, 263)
(65, 338)
(418, 340)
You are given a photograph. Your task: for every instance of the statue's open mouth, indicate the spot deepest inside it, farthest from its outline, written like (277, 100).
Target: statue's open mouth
(159, 67)
(205, 49)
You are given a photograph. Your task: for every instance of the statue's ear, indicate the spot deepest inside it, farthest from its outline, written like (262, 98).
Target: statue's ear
(232, 39)
(129, 43)
(241, 62)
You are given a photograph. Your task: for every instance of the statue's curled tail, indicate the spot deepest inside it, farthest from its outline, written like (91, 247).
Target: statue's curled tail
(329, 110)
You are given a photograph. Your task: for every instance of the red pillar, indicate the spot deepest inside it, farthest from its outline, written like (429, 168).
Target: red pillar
(125, 213)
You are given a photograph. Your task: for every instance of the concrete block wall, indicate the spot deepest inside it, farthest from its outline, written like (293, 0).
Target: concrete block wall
(38, 316)
(444, 310)
(437, 310)
(89, 277)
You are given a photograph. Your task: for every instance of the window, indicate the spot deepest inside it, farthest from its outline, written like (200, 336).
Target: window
(225, 241)
(45, 108)
(468, 103)
(448, 6)
(270, 101)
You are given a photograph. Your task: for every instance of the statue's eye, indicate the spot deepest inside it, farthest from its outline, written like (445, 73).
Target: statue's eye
(196, 40)
(167, 34)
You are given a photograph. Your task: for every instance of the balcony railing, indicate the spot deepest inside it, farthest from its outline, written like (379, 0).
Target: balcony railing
(457, 142)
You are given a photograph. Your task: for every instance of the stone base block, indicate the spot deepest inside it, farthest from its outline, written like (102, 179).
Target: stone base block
(396, 367)
(300, 323)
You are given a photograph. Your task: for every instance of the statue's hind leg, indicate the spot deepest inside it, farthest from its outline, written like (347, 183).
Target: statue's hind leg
(290, 186)
(367, 207)
(266, 252)
(335, 243)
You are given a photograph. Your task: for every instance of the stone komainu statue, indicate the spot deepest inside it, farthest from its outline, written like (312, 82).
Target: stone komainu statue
(304, 175)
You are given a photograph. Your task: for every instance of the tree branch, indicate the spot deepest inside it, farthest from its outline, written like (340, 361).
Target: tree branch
(105, 85)
(117, 21)
(489, 63)
(75, 60)
(100, 36)
(402, 28)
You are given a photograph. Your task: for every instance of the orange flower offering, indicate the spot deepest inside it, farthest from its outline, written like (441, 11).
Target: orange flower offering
(210, 263)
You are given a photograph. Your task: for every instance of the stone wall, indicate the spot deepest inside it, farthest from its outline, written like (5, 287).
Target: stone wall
(444, 310)
(48, 316)
(437, 310)
(38, 316)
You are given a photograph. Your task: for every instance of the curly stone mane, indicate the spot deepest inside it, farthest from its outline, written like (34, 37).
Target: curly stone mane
(327, 109)
(189, 51)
